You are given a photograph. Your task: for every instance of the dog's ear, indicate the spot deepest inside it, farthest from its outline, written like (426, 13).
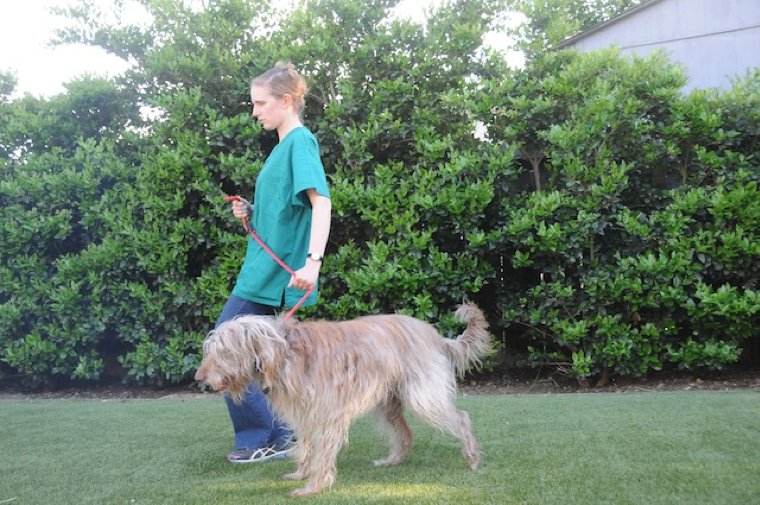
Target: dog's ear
(265, 348)
(255, 353)
(270, 362)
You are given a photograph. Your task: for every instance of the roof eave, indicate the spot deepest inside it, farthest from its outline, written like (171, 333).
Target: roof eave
(569, 41)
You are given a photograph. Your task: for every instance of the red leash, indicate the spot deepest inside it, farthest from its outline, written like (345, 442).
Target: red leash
(271, 253)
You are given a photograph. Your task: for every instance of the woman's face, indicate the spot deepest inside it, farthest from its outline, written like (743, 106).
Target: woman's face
(269, 110)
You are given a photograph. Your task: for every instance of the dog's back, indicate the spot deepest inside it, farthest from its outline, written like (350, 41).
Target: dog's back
(388, 344)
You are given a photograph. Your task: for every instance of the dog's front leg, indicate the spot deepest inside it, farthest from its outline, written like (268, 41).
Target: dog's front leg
(318, 477)
(319, 463)
(307, 490)
(301, 452)
(299, 474)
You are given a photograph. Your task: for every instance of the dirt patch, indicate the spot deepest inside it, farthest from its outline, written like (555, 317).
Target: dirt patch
(110, 392)
(557, 383)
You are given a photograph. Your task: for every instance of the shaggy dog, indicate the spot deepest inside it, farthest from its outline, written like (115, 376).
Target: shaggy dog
(320, 375)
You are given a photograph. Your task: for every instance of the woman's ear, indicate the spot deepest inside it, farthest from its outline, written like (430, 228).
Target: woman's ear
(288, 101)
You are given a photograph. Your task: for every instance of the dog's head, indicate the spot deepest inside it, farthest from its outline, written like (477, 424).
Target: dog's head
(241, 351)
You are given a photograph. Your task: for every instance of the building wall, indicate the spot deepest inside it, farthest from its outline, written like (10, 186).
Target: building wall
(714, 39)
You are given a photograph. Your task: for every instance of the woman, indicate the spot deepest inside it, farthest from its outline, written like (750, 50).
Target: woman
(291, 213)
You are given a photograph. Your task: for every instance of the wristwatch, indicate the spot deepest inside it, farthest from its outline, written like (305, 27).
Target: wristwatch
(315, 257)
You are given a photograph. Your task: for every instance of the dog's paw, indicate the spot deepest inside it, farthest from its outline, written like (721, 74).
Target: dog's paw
(474, 462)
(294, 476)
(305, 491)
(386, 462)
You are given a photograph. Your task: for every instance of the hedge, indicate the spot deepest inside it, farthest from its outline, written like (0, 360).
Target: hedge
(607, 223)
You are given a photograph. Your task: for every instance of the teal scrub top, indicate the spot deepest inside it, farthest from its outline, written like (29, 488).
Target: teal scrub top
(282, 219)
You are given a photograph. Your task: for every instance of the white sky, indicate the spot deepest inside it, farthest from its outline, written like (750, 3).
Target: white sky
(26, 26)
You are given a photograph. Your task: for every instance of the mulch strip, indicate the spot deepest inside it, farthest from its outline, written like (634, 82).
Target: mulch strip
(517, 382)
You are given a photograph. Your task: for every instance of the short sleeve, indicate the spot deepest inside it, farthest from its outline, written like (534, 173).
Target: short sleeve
(308, 171)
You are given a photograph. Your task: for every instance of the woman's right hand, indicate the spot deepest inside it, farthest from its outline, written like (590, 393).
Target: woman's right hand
(240, 209)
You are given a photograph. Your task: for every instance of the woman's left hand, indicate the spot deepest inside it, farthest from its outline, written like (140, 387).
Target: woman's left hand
(306, 278)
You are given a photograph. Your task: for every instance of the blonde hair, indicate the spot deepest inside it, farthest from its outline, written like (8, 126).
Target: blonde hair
(282, 80)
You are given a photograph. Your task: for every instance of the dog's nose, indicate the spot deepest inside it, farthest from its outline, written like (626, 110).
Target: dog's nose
(200, 375)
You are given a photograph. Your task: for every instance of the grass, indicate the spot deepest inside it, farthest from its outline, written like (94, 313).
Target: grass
(642, 448)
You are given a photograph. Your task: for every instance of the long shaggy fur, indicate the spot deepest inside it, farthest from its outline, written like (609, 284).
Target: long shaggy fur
(320, 375)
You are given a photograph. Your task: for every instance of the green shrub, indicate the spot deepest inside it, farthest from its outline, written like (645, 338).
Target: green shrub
(641, 248)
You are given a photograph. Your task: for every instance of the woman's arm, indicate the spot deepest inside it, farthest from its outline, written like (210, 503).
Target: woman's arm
(321, 208)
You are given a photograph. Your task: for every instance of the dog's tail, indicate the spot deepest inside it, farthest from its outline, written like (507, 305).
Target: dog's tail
(474, 343)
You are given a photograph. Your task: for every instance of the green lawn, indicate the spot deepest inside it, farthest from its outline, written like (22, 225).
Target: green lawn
(635, 448)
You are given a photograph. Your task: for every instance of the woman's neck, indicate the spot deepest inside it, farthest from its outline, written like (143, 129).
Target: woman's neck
(289, 124)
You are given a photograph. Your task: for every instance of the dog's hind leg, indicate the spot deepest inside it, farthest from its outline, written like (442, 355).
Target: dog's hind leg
(463, 430)
(435, 405)
(389, 418)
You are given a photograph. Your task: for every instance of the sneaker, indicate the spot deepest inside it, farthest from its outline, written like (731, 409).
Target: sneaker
(286, 442)
(278, 451)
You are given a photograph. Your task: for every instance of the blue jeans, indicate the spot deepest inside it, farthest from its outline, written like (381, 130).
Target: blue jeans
(254, 423)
